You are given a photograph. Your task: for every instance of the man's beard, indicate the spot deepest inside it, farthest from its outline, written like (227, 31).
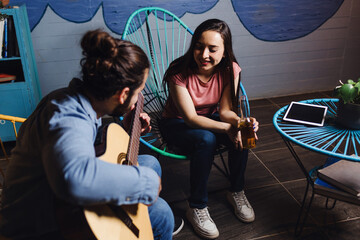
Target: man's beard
(121, 109)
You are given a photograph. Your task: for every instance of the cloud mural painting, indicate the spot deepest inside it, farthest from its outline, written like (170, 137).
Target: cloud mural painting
(115, 12)
(281, 20)
(267, 20)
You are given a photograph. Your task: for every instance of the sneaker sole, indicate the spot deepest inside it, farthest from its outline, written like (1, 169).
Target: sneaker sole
(179, 228)
(200, 232)
(245, 220)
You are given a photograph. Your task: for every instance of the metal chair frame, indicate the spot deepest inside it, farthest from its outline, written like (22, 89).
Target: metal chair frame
(13, 120)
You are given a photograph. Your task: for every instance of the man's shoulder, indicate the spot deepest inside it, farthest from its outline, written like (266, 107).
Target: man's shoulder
(73, 89)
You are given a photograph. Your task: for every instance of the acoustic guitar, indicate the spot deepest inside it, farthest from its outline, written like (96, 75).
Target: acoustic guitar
(128, 221)
(110, 222)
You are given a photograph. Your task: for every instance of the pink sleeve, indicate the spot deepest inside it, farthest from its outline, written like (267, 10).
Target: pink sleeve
(237, 69)
(178, 80)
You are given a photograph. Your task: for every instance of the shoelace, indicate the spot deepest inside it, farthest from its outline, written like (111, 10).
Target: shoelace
(202, 214)
(241, 199)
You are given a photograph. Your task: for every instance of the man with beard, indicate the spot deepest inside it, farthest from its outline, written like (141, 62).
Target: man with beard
(54, 157)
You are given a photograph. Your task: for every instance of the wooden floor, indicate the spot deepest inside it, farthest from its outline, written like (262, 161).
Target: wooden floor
(274, 186)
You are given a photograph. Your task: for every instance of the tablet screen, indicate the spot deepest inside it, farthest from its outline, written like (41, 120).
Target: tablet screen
(306, 113)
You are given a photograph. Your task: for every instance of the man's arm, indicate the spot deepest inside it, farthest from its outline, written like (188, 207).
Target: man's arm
(75, 174)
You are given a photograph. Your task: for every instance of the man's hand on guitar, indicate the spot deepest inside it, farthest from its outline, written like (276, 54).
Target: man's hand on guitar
(145, 123)
(144, 119)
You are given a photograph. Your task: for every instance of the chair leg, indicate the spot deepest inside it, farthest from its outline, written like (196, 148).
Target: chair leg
(7, 159)
(327, 204)
(226, 172)
(300, 223)
(3, 178)
(4, 151)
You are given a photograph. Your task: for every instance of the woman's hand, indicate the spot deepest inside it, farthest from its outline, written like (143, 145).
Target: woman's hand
(255, 126)
(235, 136)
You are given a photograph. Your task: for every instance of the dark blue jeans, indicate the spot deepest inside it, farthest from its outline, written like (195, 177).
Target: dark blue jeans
(200, 146)
(160, 213)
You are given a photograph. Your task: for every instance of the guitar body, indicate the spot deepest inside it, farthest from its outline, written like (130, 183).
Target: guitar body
(103, 219)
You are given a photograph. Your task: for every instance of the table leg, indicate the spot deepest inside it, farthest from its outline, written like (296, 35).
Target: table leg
(300, 223)
(302, 215)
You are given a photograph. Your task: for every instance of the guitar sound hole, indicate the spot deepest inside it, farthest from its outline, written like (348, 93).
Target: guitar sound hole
(121, 159)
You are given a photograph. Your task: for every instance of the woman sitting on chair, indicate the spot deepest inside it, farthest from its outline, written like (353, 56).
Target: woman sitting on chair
(205, 76)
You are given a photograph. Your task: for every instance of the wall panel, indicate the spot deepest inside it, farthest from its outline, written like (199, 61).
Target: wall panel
(314, 62)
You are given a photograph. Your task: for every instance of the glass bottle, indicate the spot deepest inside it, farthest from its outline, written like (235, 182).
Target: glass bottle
(245, 125)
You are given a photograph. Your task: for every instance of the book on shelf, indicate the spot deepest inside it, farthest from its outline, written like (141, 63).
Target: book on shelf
(5, 39)
(7, 77)
(9, 45)
(12, 47)
(2, 25)
(344, 175)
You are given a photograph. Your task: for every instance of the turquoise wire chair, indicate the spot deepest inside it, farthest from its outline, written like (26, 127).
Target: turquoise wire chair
(163, 37)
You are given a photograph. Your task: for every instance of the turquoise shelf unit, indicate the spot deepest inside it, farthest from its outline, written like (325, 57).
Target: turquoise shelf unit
(19, 98)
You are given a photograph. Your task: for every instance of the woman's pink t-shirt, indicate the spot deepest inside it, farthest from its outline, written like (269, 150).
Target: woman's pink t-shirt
(205, 96)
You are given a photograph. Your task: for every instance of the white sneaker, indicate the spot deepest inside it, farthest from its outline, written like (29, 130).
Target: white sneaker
(179, 224)
(202, 223)
(242, 207)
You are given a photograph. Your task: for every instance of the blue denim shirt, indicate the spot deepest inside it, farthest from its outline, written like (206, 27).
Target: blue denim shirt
(55, 157)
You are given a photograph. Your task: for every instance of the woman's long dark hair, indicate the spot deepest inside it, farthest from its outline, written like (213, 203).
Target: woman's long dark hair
(187, 61)
(111, 64)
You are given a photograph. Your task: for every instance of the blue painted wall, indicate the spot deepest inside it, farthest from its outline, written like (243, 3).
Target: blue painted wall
(274, 20)
(283, 46)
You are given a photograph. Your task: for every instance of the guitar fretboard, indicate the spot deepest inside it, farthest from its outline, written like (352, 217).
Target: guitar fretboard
(133, 150)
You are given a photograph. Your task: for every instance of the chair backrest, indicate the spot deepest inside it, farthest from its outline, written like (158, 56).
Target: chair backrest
(163, 37)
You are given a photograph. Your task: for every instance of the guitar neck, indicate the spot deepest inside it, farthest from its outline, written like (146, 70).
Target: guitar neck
(133, 150)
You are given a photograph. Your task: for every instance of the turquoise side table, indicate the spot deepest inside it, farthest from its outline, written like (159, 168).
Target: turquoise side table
(331, 139)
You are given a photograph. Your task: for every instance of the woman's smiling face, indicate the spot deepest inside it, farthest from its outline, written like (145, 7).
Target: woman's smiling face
(209, 51)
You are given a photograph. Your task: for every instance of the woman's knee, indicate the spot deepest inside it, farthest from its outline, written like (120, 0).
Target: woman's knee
(206, 139)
